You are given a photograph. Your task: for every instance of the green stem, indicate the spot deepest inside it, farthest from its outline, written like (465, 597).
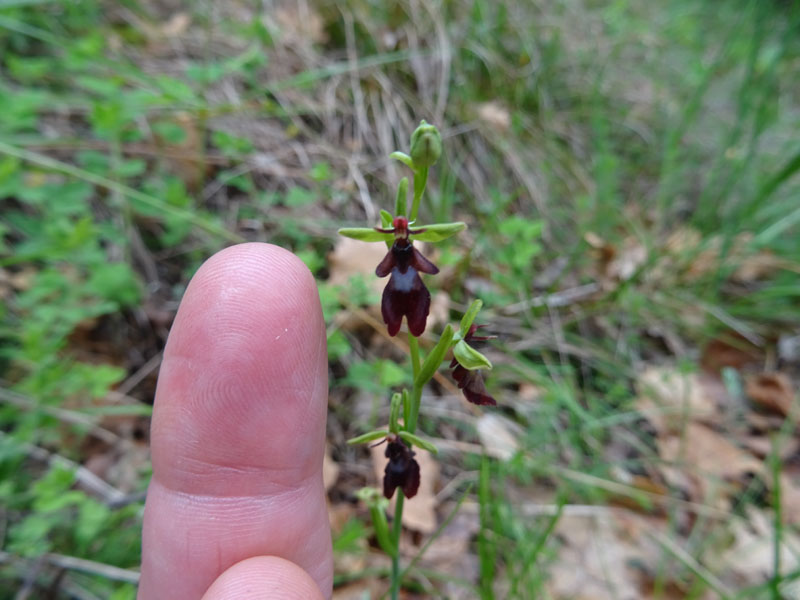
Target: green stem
(410, 426)
(396, 531)
(420, 180)
(413, 346)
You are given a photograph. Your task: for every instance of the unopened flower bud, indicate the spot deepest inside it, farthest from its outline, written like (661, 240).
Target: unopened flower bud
(426, 145)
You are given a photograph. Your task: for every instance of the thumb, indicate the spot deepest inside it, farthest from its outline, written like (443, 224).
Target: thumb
(264, 578)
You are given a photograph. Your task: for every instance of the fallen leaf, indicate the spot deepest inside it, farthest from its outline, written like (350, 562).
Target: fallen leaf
(730, 350)
(669, 398)
(773, 391)
(495, 115)
(708, 458)
(597, 556)
(749, 560)
(176, 25)
(330, 470)
(617, 263)
(498, 435)
(300, 24)
(352, 257)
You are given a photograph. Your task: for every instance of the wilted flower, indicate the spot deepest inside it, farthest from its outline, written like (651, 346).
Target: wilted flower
(470, 381)
(402, 471)
(405, 294)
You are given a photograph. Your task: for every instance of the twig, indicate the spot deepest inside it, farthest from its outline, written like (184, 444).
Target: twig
(67, 416)
(84, 477)
(73, 563)
(557, 299)
(131, 382)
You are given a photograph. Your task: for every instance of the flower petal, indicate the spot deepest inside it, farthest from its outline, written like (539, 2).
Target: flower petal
(386, 265)
(405, 295)
(420, 263)
(391, 308)
(471, 383)
(401, 471)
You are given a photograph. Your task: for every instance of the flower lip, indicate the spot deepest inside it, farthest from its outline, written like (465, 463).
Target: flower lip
(402, 470)
(405, 294)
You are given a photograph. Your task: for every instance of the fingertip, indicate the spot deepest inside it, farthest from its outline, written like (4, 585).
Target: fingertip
(244, 374)
(264, 578)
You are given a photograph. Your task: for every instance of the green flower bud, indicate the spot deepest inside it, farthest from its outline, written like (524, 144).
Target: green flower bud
(426, 145)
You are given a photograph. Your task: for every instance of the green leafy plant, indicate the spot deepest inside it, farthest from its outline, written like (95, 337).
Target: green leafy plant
(406, 296)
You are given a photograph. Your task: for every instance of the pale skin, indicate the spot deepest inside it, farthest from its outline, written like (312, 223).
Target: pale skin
(236, 507)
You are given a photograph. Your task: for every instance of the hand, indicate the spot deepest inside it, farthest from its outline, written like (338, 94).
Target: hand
(236, 506)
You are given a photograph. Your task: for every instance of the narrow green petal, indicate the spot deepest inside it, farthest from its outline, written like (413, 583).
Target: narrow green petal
(365, 234)
(365, 438)
(419, 442)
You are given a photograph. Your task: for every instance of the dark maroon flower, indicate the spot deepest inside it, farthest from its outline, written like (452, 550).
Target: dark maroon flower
(471, 381)
(405, 294)
(402, 471)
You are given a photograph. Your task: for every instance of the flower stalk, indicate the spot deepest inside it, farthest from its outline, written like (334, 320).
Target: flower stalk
(406, 298)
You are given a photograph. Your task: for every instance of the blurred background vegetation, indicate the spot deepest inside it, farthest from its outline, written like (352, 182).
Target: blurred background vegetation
(629, 172)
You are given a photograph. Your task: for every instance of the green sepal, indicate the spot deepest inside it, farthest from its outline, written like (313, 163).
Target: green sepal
(439, 232)
(469, 316)
(435, 357)
(406, 406)
(403, 158)
(365, 234)
(365, 438)
(420, 180)
(394, 412)
(418, 442)
(386, 222)
(469, 358)
(400, 200)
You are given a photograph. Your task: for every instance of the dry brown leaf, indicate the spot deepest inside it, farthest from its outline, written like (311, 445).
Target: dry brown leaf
(300, 24)
(176, 25)
(710, 459)
(495, 115)
(597, 558)
(419, 512)
(732, 350)
(498, 435)
(351, 257)
(617, 263)
(773, 391)
(330, 470)
(762, 446)
(790, 500)
(668, 397)
(749, 560)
